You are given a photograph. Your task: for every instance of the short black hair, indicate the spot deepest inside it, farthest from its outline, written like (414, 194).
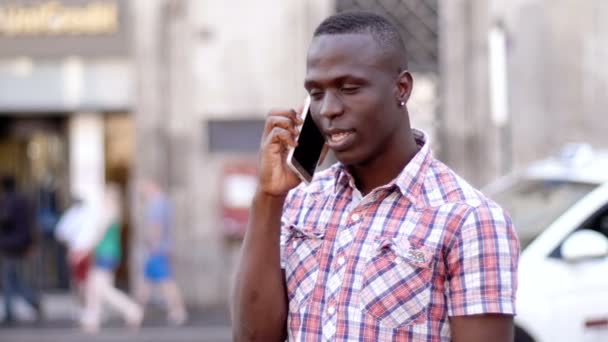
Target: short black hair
(379, 27)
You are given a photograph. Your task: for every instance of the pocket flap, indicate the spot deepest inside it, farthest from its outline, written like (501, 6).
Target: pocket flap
(420, 256)
(299, 232)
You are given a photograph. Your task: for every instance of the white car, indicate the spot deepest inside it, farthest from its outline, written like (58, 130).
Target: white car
(559, 208)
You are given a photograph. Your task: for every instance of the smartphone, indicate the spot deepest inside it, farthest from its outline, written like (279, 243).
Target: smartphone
(306, 157)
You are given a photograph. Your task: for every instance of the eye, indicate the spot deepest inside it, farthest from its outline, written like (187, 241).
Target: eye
(315, 93)
(350, 89)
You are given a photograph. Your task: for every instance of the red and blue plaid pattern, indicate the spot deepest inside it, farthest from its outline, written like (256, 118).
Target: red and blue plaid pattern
(395, 264)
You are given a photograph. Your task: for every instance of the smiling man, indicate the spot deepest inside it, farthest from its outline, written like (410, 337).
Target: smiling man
(388, 244)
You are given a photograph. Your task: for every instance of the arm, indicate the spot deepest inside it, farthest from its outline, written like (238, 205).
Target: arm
(259, 301)
(482, 328)
(482, 265)
(259, 309)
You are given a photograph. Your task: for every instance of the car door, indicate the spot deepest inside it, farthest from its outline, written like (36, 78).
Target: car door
(578, 290)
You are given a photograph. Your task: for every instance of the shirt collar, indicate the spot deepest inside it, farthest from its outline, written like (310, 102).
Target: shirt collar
(409, 180)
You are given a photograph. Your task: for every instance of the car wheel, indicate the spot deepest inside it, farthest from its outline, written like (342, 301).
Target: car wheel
(522, 336)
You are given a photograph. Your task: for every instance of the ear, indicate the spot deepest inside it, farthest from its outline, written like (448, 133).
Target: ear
(404, 86)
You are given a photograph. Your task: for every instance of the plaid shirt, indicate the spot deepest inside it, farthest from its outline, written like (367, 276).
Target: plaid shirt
(395, 264)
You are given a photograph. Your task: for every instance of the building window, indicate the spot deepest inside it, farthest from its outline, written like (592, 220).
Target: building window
(234, 136)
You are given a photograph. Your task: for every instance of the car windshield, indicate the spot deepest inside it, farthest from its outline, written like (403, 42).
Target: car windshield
(534, 204)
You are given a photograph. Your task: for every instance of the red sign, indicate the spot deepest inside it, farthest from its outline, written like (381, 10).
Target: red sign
(238, 184)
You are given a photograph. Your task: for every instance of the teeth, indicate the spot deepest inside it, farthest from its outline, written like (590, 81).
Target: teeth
(337, 137)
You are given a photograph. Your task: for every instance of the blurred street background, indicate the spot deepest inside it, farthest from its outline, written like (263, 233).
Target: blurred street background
(120, 91)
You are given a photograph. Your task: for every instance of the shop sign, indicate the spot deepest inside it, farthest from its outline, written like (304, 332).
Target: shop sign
(59, 28)
(55, 18)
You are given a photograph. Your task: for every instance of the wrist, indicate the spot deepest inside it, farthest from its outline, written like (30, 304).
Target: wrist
(265, 215)
(264, 197)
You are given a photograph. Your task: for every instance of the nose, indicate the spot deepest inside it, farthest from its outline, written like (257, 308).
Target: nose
(331, 106)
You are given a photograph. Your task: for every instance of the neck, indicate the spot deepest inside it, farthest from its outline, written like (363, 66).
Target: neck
(380, 171)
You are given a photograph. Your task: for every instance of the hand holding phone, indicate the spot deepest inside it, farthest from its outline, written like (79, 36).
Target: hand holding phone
(311, 148)
(275, 177)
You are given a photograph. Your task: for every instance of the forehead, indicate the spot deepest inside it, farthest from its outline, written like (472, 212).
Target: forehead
(336, 55)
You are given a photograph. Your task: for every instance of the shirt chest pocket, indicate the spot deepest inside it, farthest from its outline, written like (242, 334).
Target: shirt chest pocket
(396, 288)
(302, 251)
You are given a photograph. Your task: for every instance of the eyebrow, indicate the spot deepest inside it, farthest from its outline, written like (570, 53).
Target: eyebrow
(309, 83)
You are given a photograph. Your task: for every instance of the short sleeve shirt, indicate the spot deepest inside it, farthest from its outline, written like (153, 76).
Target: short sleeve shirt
(395, 264)
(159, 212)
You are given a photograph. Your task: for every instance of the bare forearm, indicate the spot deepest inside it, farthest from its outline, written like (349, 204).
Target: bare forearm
(486, 327)
(259, 307)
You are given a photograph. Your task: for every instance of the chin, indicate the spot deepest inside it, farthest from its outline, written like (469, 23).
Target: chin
(349, 158)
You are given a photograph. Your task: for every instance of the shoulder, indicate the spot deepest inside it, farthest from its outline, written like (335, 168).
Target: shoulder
(442, 186)
(447, 192)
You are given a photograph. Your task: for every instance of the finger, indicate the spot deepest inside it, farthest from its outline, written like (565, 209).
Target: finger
(281, 136)
(300, 113)
(277, 136)
(290, 113)
(282, 122)
(300, 116)
(285, 113)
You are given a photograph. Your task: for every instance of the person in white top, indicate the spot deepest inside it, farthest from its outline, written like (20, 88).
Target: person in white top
(107, 254)
(73, 227)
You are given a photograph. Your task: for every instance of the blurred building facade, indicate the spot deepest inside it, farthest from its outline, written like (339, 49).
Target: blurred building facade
(65, 102)
(519, 80)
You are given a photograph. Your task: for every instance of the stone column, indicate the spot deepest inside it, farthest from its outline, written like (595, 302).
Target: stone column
(470, 141)
(148, 115)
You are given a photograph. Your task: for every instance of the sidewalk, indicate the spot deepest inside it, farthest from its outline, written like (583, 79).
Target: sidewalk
(113, 334)
(59, 325)
(62, 309)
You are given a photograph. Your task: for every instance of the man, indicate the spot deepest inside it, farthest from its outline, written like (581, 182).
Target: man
(157, 268)
(16, 240)
(387, 244)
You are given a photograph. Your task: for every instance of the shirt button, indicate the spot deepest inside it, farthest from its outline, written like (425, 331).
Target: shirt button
(355, 217)
(294, 244)
(331, 310)
(341, 261)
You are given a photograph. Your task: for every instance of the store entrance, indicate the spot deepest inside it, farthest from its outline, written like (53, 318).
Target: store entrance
(34, 151)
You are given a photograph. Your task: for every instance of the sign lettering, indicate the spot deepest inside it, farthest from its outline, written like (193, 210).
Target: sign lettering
(53, 18)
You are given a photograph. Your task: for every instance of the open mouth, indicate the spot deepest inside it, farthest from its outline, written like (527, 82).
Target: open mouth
(339, 137)
(340, 140)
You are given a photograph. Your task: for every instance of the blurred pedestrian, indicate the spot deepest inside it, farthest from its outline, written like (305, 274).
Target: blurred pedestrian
(76, 222)
(100, 287)
(47, 215)
(16, 242)
(158, 270)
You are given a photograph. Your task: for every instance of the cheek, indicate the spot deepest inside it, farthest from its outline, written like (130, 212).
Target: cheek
(377, 123)
(378, 130)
